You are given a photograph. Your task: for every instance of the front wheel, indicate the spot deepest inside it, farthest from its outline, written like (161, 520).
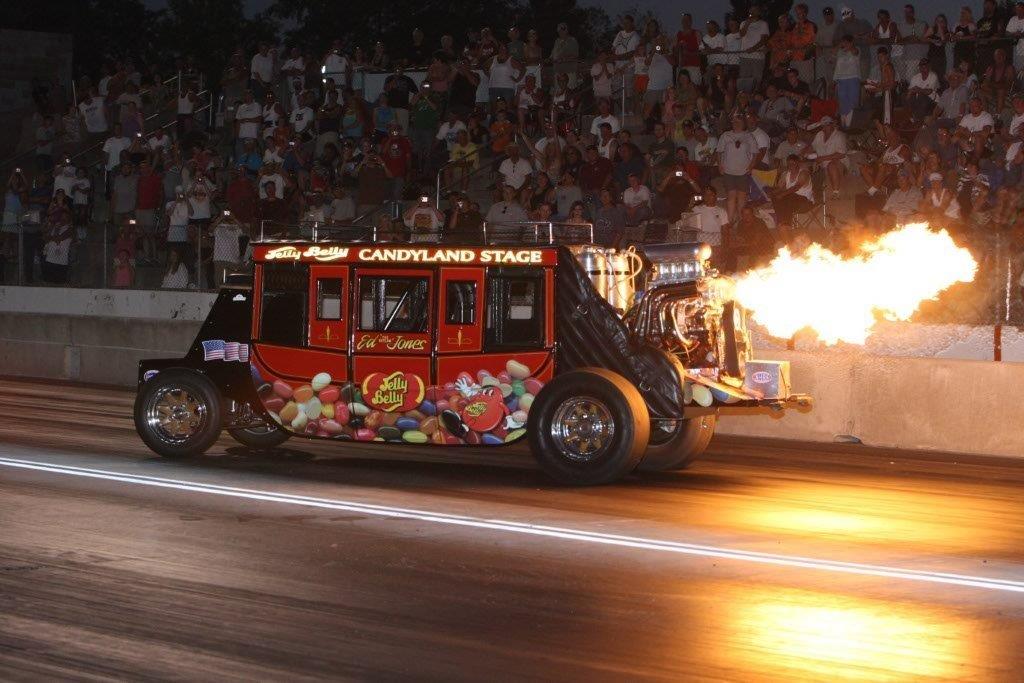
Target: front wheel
(588, 427)
(675, 444)
(262, 438)
(178, 413)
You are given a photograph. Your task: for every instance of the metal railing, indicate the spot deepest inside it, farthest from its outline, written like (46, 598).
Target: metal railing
(536, 232)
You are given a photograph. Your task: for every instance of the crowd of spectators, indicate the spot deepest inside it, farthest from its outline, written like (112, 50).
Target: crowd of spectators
(736, 132)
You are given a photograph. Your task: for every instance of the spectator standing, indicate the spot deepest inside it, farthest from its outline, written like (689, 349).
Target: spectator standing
(711, 219)
(150, 198)
(1015, 30)
(847, 78)
(609, 220)
(261, 71)
(248, 120)
(754, 36)
(399, 89)
(294, 71)
(94, 113)
(565, 53)
(112, 148)
(227, 236)
(424, 122)
(626, 41)
(738, 154)
(914, 45)
(57, 253)
(124, 194)
(45, 135)
(176, 273)
(825, 40)
(177, 214)
(337, 66)
(396, 150)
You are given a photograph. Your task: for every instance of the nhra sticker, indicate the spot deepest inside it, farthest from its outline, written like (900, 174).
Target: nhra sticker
(218, 349)
(761, 377)
(149, 374)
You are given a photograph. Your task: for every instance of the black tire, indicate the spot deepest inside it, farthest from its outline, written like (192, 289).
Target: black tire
(263, 438)
(557, 444)
(676, 448)
(735, 341)
(200, 417)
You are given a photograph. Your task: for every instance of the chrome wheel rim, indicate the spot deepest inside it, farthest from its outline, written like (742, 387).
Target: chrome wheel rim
(582, 428)
(176, 415)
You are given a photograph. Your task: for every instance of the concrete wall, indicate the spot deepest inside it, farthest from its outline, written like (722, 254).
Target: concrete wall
(87, 348)
(937, 404)
(115, 303)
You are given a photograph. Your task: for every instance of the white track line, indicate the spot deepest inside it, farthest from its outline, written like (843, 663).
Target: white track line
(530, 529)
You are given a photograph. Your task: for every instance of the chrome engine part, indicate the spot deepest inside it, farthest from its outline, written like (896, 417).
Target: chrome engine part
(612, 272)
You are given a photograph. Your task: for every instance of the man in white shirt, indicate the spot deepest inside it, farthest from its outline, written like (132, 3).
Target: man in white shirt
(449, 130)
(94, 113)
(336, 65)
(514, 170)
(424, 221)
(637, 200)
(270, 182)
(248, 121)
(1016, 127)
(976, 126)
(604, 115)
(262, 71)
(112, 148)
(829, 150)
(710, 218)
(923, 91)
(753, 36)
(625, 44)
(294, 68)
(764, 141)
(302, 118)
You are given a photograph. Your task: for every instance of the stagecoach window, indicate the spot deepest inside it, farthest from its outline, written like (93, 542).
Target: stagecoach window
(460, 303)
(328, 305)
(515, 311)
(284, 303)
(393, 304)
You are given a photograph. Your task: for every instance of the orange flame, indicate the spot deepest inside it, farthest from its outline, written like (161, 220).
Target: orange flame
(840, 298)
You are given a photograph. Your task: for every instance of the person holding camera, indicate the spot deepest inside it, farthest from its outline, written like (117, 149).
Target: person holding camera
(677, 190)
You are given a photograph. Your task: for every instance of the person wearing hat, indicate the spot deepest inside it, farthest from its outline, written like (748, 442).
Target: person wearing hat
(829, 150)
(939, 204)
(922, 91)
(860, 30)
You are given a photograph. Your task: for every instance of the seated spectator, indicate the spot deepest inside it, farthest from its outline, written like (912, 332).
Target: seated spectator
(542, 192)
(793, 194)
(939, 205)
(953, 101)
(903, 202)
(609, 220)
(424, 221)
(567, 193)
(514, 170)
(607, 144)
(636, 198)
(676, 192)
(705, 153)
(975, 128)
(998, 80)
(176, 275)
(464, 160)
(879, 175)
(753, 243)
(508, 210)
(604, 115)
(922, 91)
(660, 153)
(776, 111)
(595, 175)
(829, 152)
(630, 161)
(972, 189)
(790, 144)
(529, 100)
(710, 219)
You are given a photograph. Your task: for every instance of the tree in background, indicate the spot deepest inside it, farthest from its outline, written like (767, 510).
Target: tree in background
(315, 23)
(208, 31)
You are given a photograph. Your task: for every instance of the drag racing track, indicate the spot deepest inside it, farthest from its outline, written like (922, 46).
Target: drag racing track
(323, 561)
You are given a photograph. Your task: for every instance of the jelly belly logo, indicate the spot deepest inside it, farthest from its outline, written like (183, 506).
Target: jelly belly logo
(397, 392)
(761, 377)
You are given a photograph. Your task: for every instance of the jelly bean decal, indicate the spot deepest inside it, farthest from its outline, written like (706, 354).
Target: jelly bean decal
(477, 408)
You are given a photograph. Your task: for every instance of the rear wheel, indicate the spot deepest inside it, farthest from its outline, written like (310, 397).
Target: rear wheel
(675, 444)
(262, 438)
(178, 413)
(588, 427)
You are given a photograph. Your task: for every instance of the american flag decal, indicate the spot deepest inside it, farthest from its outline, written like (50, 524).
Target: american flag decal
(213, 349)
(218, 349)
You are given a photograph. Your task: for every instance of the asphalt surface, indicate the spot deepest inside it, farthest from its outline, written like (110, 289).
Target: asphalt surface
(765, 561)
